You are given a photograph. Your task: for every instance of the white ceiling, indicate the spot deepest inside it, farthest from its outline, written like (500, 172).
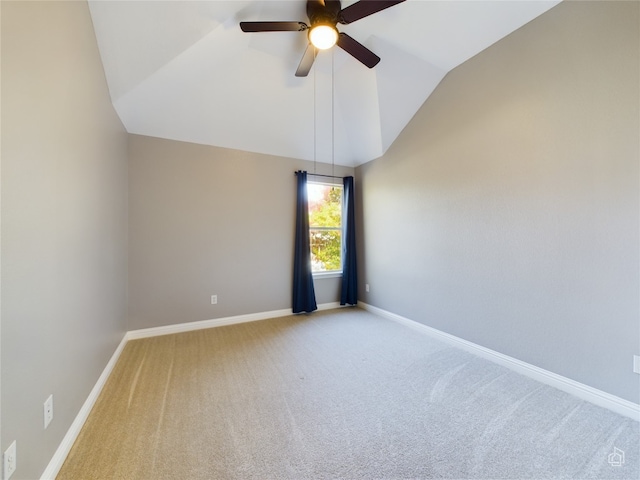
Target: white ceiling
(184, 70)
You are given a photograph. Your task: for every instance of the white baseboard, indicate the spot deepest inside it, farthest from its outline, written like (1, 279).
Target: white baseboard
(216, 322)
(56, 462)
(580, 390)
(74, 430)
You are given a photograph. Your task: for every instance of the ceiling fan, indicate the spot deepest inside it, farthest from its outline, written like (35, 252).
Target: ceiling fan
(324, 15)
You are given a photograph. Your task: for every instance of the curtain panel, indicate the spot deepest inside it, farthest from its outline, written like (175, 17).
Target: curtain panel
(304, 297)
(349, 291)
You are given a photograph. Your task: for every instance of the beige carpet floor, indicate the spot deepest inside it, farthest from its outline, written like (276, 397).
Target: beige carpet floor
(335, 394)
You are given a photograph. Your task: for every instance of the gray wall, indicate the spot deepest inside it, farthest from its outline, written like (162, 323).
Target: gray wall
(211, 221)
(506, 213)
(64, 223)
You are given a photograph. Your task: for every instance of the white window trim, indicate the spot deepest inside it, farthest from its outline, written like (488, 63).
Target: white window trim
(328, 274)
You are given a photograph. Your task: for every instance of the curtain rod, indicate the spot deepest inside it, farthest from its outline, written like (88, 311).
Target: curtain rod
(318, 175)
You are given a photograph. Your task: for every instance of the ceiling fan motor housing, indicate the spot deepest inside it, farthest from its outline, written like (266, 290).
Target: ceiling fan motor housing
(323, 12)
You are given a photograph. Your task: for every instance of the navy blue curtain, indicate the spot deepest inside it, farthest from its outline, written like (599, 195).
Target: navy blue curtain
(349, 292)
(304, 296)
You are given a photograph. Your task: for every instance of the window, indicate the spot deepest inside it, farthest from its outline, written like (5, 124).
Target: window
(325, 227)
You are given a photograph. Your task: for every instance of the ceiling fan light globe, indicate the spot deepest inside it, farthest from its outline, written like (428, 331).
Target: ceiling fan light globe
(323, 36)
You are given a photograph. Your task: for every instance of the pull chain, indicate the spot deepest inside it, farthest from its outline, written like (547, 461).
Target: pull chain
(314, 116)
(333, 146)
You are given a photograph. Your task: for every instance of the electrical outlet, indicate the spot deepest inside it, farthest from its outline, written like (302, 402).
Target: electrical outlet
(48, 411)
(636, 363)
(366, 287)
(10, 461)
(214, 299)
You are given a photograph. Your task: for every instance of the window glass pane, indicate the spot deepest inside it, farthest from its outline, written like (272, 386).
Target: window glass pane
(325, 205)
(325, 218)
(325, 250)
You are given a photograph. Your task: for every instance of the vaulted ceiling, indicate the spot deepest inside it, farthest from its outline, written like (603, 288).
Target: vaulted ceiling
(184, 70)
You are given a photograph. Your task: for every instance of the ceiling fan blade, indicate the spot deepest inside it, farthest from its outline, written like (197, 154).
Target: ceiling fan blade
(357, 50)
(307, 61)
(364, 8)
(273, 26)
